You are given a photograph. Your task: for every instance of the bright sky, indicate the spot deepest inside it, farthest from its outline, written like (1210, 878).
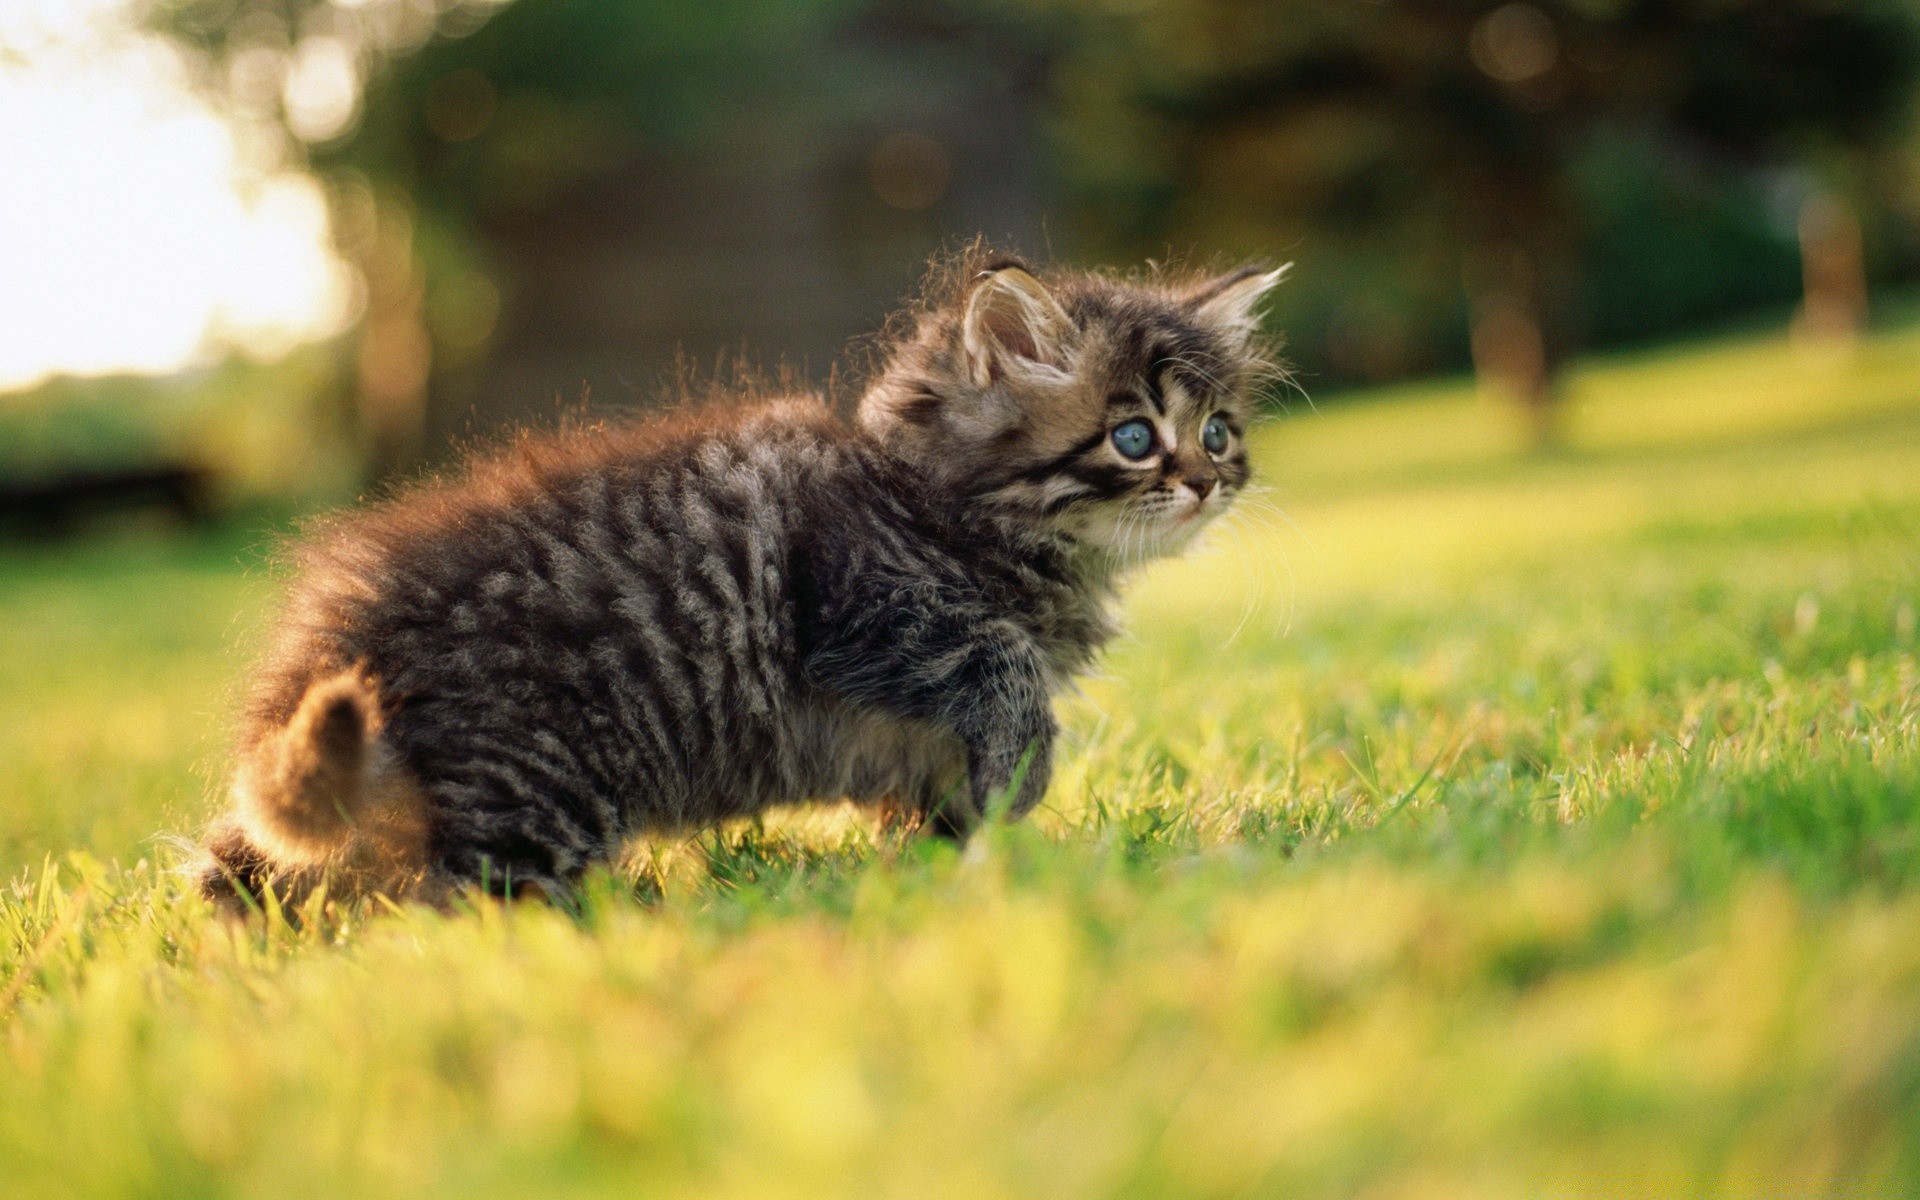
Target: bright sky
(132, 236)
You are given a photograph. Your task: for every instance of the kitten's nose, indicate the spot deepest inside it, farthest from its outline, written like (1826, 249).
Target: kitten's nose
(1202, 485)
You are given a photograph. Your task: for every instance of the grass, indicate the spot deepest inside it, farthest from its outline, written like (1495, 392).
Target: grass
(1485, 825)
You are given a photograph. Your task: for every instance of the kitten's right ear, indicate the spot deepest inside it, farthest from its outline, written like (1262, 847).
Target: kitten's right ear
(1014, 327)
(1233, 300)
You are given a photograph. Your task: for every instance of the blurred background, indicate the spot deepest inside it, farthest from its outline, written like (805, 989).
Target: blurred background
(278, 250)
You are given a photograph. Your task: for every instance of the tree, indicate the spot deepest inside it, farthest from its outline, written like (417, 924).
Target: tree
(1454, 126)
(429, 123)
(557, 177)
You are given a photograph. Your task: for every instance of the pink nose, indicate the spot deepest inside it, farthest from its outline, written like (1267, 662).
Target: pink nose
(1202, 485)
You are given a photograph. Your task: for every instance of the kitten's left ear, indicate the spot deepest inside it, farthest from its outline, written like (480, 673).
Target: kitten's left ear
(1232, 301)
(1014, 326)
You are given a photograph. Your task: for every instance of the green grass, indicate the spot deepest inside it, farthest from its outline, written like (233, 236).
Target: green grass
(1487, 825)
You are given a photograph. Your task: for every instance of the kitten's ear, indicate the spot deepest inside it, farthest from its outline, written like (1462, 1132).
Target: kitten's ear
(1014, 326)
(1232, 301)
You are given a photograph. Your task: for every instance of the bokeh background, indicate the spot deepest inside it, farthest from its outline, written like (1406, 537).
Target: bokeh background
(1517, 794)
(276, 251)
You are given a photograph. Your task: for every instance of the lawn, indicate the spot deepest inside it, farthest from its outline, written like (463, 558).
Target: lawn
(1462, 822)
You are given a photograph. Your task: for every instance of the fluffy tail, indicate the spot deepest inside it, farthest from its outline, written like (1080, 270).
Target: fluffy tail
(323, 798)
(304, 789)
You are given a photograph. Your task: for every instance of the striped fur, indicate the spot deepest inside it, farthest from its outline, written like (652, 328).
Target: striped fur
(661, 625)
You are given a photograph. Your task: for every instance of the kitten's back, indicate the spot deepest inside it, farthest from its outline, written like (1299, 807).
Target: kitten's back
(586, 624)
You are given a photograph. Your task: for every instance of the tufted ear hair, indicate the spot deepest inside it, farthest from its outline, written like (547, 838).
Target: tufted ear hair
(1232, 301)
(1013, 327)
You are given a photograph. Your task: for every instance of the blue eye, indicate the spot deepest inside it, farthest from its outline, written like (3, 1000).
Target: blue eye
(1134, 439)
(1215, 434)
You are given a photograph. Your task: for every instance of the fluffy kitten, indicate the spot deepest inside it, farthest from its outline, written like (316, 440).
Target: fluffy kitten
(500, 679)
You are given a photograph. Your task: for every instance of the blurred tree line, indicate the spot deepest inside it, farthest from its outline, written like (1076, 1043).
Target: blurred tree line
(1524, 178)
(547, 196)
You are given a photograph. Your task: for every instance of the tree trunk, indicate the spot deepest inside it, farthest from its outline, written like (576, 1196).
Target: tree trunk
(1518, 347)
(395, 352)
(1833, 310)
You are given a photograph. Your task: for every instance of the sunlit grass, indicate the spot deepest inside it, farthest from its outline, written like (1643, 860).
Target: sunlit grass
(115, 662)
(1469, 824)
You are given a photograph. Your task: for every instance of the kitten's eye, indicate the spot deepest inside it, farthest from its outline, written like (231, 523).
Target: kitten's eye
(1134, 439)
(1215, 434)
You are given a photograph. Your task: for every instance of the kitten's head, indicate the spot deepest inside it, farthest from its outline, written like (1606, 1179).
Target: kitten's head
(1114, 413)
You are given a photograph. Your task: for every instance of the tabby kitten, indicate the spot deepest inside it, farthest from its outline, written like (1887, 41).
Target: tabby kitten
(498, 680)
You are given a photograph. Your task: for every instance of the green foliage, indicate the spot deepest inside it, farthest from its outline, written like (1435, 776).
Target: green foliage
(1616, 169)
(1486, 825)
(572, 91)
(115, 665)
(250, 424)
(1396, 147)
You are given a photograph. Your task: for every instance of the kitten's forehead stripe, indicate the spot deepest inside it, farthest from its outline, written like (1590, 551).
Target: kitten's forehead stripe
(1049, 467)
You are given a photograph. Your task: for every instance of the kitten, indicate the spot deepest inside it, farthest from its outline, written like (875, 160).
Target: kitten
(498, 680)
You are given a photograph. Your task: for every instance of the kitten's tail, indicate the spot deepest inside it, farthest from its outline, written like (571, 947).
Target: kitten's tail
(303, 789)
(323, 797)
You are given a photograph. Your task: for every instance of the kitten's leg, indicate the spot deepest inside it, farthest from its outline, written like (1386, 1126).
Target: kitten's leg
(988, 684)
(949, 812)
(927, 803)
(1009, 735)
(1009, 758)
(1002, 711)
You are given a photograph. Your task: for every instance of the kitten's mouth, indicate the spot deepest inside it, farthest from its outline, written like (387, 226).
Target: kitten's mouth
(1181, 521)
(1188, 514)
(1153, 530)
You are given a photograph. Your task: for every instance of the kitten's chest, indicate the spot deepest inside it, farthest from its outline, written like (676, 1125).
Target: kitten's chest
(1070, 626)
(1066, 609)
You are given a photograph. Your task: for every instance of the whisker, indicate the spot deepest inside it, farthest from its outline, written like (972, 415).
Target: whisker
(1276, 568)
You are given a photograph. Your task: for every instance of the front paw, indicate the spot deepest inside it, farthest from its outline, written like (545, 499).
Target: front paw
(1011, 784)
(1029, 784)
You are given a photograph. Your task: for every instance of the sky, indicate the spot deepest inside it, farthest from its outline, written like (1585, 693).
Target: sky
(134, 236)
